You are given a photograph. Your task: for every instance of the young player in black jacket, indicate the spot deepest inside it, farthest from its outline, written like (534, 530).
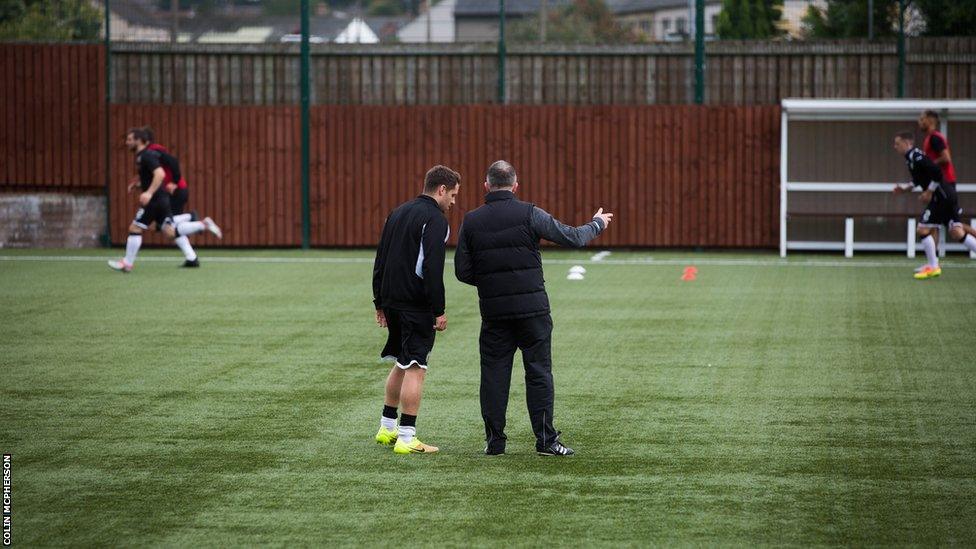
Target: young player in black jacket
(408, 294)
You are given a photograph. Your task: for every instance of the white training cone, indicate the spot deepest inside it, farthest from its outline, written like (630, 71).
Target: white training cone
(574, 276)
(579, 269)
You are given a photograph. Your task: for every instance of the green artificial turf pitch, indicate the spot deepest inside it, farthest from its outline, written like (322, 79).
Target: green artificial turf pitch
(812, 401)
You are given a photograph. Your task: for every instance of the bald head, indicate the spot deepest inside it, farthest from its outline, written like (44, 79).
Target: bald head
(501, 175)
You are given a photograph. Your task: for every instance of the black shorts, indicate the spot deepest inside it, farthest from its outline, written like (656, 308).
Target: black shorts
(941, 211)
(178, 200)
(411, 337)
(157, 211)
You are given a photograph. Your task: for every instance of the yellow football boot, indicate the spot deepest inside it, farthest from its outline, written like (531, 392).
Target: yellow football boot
(413, 447)
(928, 272)
(386, 437)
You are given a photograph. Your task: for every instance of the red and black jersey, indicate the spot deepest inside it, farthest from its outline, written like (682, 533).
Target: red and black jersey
(170, 165)
(147, 162)
(934, 144)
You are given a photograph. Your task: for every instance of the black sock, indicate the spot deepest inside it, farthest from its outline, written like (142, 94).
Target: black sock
(407, 420)
(389, 412)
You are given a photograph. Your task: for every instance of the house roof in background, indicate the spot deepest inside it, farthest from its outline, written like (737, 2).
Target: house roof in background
(512, 7)
(252, 28)
(477, 8)
(638, 6)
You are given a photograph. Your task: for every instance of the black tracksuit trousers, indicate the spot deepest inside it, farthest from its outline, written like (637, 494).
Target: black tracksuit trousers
(498, 342)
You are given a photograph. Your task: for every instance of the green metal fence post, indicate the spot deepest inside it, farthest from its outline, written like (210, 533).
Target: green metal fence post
(699, 52)
(107, 238)
(501, 52)
(870, 19)
(306, 207)
(901, 48)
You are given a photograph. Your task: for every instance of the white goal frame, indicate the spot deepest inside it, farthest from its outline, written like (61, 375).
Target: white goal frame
(867, 110)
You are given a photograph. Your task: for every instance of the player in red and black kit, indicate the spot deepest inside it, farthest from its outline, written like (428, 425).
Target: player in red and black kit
(942, 203)
(936, 148)
(175, 184)
(155, 169)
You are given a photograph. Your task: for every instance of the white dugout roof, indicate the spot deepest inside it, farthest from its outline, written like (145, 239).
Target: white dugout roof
(875, 109)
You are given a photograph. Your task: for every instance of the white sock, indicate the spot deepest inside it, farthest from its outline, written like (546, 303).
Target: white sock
(132, 248)
(406, 434)
(190, 227)
(929, 244)
(182, 218)
(970, 242)
(388, 423)
(184, 244)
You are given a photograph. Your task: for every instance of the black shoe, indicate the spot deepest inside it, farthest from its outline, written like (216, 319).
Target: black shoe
(489, 451)
(194, 263)
(555, 449)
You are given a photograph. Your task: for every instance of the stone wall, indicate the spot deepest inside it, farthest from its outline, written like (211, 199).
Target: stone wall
(51, 220)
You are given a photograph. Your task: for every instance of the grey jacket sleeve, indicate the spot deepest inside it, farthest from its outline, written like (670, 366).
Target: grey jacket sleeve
(548, 227)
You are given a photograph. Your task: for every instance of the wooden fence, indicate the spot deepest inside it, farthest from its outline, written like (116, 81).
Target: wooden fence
(242, 164)
(52, 116)
(737, 73)
(675, 176)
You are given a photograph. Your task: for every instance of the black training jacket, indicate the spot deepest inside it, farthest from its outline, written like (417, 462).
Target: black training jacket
(408, 273)
(927, 175)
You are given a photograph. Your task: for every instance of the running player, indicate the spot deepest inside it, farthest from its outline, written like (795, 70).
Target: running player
(942, 204)
(155, 202)
(936, 148)
(175, 184)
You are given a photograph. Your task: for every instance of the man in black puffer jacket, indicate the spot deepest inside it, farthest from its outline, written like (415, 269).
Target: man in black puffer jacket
(498, 251)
